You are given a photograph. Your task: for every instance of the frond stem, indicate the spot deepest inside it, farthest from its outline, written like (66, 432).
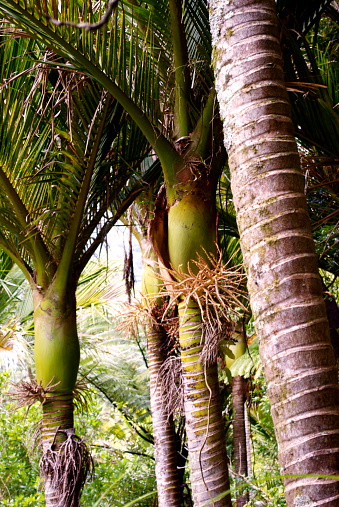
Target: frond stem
(166, 152)
(66, 263)
(202, 131)
(37, 247)
(182, 120)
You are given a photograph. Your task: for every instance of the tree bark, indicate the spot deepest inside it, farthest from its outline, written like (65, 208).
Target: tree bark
(166, 472)
(239, 390)
(170, 491)
(278, 249)
(191, 233)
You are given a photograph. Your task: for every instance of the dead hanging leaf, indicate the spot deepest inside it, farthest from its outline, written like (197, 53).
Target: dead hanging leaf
(128, 263)
(212, 336)
(170, 382)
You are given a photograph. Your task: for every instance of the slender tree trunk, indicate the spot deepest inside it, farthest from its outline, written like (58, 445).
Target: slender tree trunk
(170, 491)
(239, 391)
(168, 486)
(204, 423)
(278, 250)
(57, 422)
(191, 232)
(248, 443)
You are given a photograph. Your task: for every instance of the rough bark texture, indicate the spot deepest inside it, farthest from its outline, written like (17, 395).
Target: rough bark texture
(169, 489)
(204, 423)
(283, 281)
(239, 390)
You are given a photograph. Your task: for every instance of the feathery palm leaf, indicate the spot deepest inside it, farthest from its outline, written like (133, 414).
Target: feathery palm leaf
(69, 159)
(308, 77)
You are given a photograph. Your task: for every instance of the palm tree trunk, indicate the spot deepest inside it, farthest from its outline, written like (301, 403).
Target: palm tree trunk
(57, 420)
(168, 486)
(248, 443)
(170, 491)
(66, 460)
(278, 250)
(191, 233)
(239, 391)
(204, 423)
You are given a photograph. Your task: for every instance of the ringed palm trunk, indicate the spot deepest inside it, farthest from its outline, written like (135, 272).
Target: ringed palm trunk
(191, 231)
(239, 390)
(278, 250)
(168, 486)
(56, 352)
(204, 423)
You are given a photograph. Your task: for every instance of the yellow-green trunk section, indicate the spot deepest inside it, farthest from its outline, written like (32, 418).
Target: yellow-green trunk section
(204, 422)
(56, 345)
(191, 230)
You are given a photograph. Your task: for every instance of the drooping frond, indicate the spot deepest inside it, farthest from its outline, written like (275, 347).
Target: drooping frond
(310, 74)
(71, 159)
(301, 15)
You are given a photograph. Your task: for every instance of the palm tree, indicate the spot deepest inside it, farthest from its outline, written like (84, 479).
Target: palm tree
(67, 173)
(177, 38)
(168, 485)
(278, 249)
(153, 307)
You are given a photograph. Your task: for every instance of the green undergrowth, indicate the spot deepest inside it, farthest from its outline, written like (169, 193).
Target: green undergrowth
(124, 468)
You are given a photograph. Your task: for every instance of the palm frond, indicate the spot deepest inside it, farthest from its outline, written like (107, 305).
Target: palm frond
(312, 99)
(301, 16)
(70, 132)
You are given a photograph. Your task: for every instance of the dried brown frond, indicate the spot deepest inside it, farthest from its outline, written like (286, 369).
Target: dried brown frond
(131, 317)
(170, 382)
(65, 470)
(28, 392)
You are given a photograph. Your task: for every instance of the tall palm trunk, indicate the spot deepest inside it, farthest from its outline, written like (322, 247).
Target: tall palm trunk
(65, 460)
(170, 492)
(168, 486)
(191, 232)
(278, 249)
(239, 391)
(204, 422)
